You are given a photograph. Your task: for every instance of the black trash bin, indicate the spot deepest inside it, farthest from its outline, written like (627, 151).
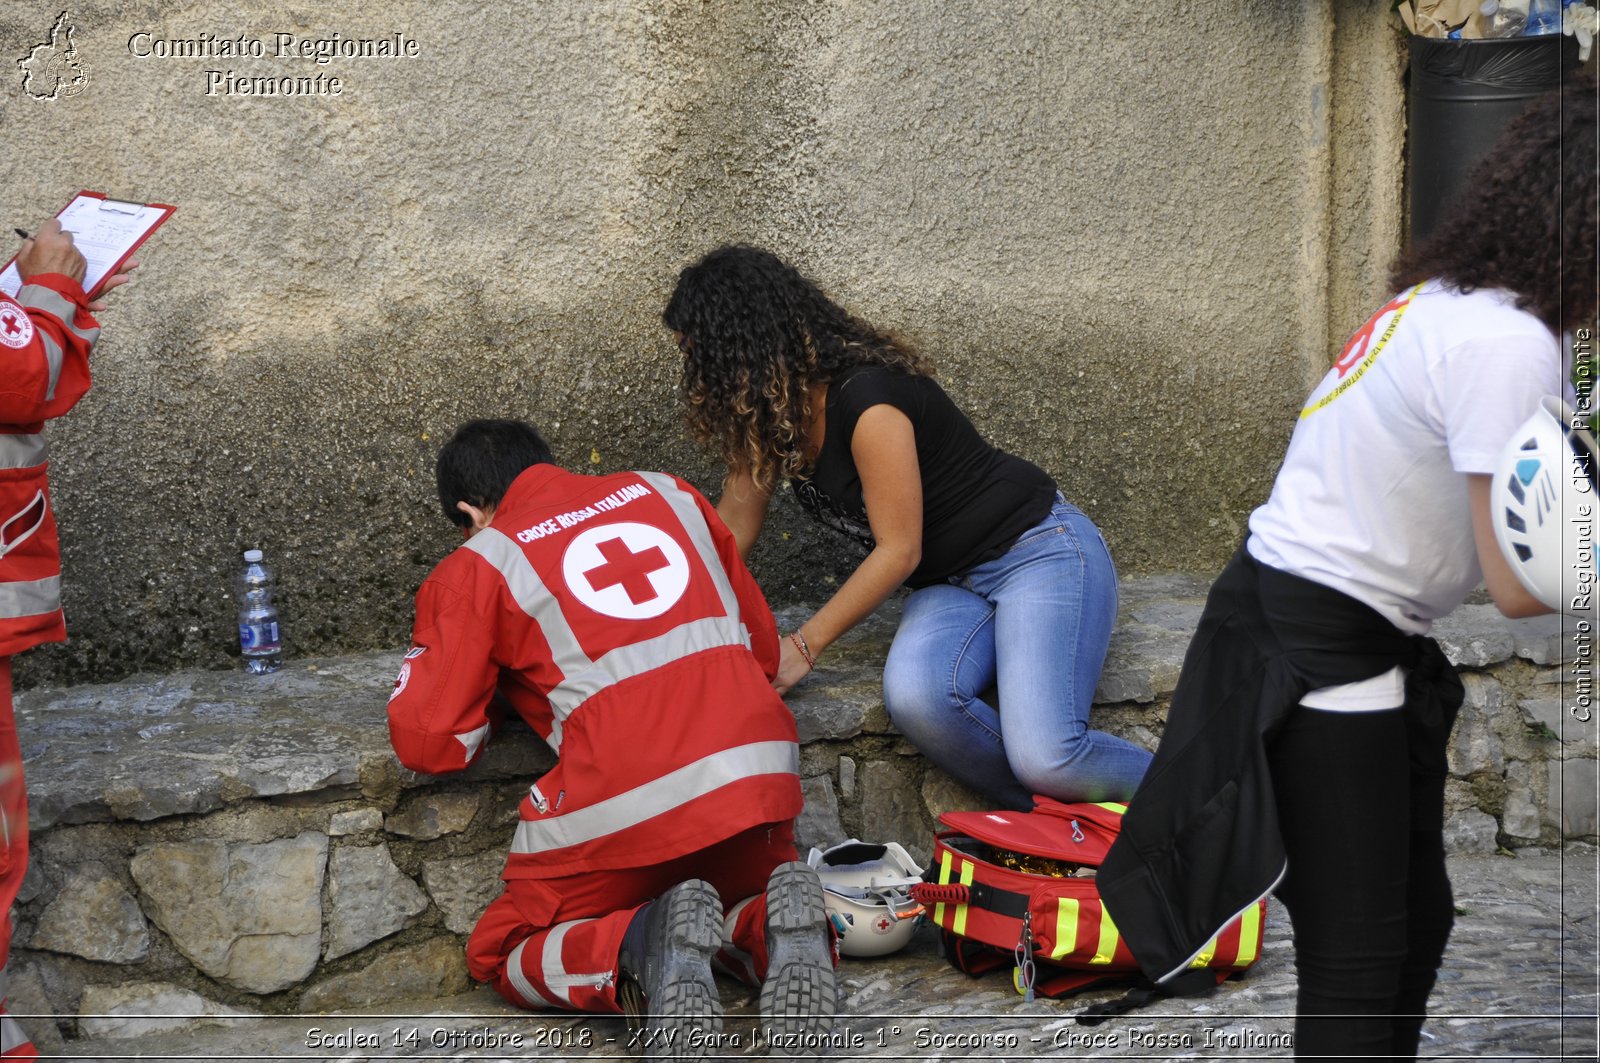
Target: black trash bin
(1463, 94)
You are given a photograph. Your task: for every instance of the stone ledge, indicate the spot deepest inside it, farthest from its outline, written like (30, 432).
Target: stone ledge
(156, 746)
(250, 843)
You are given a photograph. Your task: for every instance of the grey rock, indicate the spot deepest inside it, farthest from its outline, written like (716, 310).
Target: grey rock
(818, 823)
(877, 721)
(1142, 664)
(941, 794)
(249, 915)
(892, 808)
(433, 815)
(1522, 818)
(1168, 614)
(1515, 912)
(1167, 591)
(1471, 831)
(357, 821)
(1572, 796)
(1475, 636)
(436, 968)
(463, 886)
(94, 917)
(33, 882)
(1540, 639)
(847, 778)
(830, 710)
(139, 1009)
(1565, 719)
(369, 899)
(1474, 745)
(225, 738)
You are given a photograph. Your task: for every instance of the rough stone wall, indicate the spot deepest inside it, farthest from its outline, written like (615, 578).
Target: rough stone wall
(261, 851)
(1128, 241)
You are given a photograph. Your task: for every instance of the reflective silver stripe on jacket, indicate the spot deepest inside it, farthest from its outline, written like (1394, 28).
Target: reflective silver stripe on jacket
(657, 796)
(23, 452)
(38, 297)
(636, 658)
(535, 599)
(30, 598)
(51, 301)
(583, 677)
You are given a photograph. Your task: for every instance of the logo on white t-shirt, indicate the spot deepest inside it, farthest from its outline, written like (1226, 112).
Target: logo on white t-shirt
(1359, 353)
(629, 571)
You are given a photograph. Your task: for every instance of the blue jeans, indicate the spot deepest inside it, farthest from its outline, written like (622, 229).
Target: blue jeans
(1034, 623)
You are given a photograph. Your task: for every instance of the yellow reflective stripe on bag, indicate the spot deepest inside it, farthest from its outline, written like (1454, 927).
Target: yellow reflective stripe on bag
(944, 880)
(959, 925)
(1112, 806)
(1204, 957)
(1066, 927)
(1106, 950)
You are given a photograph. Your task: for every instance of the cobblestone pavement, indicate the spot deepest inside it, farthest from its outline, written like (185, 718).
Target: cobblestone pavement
(1519, 982)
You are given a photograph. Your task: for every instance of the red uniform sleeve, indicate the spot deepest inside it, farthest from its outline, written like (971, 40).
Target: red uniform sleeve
(439, 714)
(45, 339)
(753, 608)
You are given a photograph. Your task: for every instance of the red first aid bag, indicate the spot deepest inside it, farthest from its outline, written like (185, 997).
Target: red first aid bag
(1018, 889)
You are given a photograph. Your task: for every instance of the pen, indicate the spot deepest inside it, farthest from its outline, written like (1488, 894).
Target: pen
(22, 233)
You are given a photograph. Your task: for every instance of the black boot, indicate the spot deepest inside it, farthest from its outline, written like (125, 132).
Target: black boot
(800, 995)
(667, 991)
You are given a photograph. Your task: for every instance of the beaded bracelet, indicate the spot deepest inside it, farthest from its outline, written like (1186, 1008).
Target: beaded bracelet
(799, 641)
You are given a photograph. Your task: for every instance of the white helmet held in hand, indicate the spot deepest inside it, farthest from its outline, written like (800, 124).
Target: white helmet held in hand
(1543, 502)
(866, 888)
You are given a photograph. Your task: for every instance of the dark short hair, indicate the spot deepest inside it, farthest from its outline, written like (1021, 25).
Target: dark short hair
(479, 462)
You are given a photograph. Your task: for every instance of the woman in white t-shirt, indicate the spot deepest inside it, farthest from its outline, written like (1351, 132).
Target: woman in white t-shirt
(1311, 705)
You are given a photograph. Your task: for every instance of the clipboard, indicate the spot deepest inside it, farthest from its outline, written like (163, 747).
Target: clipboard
(106, 231)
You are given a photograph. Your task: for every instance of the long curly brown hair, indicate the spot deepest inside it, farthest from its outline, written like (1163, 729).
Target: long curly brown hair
(1527, 219)
(756, 336)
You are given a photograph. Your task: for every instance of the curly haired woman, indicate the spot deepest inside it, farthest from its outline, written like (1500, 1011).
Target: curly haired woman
(1012, 585)
(1305, 747)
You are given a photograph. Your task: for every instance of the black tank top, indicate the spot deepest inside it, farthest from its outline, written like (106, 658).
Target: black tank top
(976, 498)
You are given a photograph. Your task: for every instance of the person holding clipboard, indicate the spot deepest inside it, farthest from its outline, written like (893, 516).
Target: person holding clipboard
(46, 333)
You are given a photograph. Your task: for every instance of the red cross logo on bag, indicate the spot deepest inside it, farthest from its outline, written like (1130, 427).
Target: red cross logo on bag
(630, 571)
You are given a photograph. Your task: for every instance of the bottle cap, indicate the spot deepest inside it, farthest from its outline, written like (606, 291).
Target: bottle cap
(252, 556)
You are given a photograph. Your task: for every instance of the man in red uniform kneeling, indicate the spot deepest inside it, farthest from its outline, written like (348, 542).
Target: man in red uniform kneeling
(613, 614)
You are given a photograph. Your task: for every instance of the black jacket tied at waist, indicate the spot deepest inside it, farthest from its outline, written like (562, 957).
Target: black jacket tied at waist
(1201, 841)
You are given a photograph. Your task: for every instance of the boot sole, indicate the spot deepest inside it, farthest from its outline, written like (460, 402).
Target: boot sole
(684, 1005)
(800, 995)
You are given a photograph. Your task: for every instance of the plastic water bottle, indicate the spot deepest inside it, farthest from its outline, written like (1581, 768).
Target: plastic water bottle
(1544, 16)
(1504, 18)
(260, 641)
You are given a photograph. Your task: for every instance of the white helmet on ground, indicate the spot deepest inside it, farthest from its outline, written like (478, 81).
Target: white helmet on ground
(1543, 502)
(867, 890)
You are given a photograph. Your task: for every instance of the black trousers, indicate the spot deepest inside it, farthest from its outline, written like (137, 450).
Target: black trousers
(1361, 801)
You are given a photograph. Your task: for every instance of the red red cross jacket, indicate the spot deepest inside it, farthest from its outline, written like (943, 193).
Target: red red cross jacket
(616, 617)
(45, 339)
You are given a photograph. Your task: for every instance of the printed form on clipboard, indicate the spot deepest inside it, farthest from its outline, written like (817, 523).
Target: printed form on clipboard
(106, 231)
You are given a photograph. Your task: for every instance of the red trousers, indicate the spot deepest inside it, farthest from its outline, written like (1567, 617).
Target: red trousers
(14, 1044)
(553, 942)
